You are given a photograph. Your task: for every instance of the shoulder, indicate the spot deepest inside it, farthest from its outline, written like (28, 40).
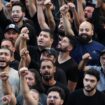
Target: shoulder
(98, 44)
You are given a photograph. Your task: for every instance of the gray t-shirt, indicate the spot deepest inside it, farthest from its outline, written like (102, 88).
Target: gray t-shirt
(14, 81)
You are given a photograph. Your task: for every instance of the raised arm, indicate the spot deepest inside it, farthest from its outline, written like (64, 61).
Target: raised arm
(40, 15)
(66, 21)
(75, 15)
(82, 65)
(21, 41)
(25, 88)
(50, 17)
(25, 58)
(80, 10)
(9, 97)
(1, 5)
(31, 6)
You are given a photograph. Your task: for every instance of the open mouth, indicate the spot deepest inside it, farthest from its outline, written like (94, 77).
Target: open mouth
(51, 103)
(61, 27)
(15, 17)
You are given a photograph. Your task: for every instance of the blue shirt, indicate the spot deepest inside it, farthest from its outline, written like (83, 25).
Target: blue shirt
(94, 48)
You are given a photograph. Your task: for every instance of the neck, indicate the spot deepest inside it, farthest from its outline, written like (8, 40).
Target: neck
(63, 56)
(19, 24)
(89, 93)
(51, 82)
(4, 69)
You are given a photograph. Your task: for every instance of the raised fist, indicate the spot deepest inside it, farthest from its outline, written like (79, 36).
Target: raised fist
(4, 76)
(86, 57)
(23, 71)
(64, 9)
(6, 99)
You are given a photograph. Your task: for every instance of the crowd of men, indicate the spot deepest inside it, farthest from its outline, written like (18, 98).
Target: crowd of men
(52, 52)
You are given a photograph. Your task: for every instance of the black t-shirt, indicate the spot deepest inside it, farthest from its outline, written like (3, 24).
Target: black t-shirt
(4, 22)
(35, 57)
(14, 64)
(61, 86)
(98, 20)
(60, 76)
(78, 98)
(70, 68)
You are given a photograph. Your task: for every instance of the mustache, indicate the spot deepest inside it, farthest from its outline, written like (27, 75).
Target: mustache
(46, 73)
(2, 59)
(88, 86)
(85, 35)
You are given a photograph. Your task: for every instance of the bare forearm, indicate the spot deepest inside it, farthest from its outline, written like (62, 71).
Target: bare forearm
(67, 26)
(1, 5)
(31, 7)
(41, 18)
(17, 43)
(82, 65)
(24, 86)
(22, 63)
(50, 18)
(13, 100)
(6, 87)
(76, 19)
(80, 11)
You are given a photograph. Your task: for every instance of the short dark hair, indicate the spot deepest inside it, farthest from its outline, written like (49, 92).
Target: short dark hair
(59, 90)
(72, 40)
(19, 4)
(50, 51)
(90, 5)
(102, 52)
(47, 60)
(93, 72)
(49, 31)
(11, 53)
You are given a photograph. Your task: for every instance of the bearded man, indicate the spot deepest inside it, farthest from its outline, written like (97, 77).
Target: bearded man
(85, 44)
(5, 59)
(66, 62)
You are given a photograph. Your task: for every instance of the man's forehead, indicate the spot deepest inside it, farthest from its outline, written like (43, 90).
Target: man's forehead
(44, 33)
(54, 93)
(46, 62)
(88, 76)
(4, 50)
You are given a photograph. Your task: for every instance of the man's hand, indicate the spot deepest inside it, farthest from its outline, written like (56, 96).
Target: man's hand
(8, 6)
(6, 99)
(64, 9)
(24, 52)
(86, 57)
(40, 2)
(48, 3)
(24, 33)
(71, 5)
(23, 71)
(4, 76)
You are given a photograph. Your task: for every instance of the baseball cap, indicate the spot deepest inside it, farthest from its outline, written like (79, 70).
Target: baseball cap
(12, 26)
(102, 52)
(50, 51)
